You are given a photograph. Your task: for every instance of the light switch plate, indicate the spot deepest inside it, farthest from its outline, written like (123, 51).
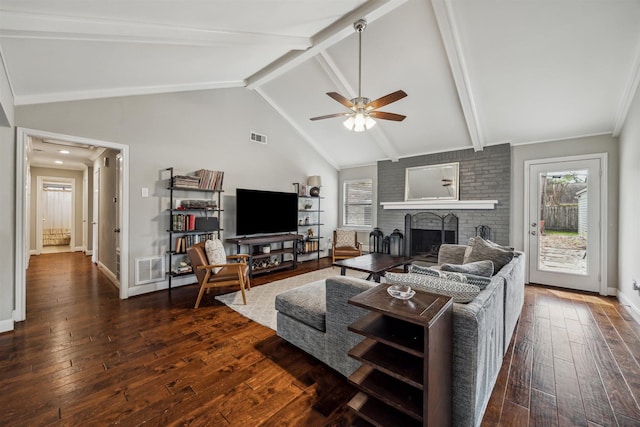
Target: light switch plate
(145, 192)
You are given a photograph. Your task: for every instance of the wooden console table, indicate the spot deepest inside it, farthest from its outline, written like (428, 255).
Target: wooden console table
(405, 379)
(255, 250)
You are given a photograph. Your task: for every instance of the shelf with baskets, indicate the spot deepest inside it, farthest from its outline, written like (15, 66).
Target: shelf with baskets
(195, 215)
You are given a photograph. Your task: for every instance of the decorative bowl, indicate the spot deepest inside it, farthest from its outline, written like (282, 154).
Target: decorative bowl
(401, 291)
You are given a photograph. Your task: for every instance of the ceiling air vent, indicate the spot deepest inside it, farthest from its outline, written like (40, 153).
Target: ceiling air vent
(260, 139)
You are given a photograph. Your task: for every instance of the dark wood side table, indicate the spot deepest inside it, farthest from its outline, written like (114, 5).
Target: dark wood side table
(405, 379)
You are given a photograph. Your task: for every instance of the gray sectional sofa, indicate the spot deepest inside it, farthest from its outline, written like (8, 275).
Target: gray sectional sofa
(315, 317)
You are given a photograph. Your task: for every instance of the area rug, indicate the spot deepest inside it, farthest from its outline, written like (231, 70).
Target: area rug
(261, 299)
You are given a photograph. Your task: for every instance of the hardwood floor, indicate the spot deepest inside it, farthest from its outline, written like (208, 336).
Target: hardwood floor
(83, 357)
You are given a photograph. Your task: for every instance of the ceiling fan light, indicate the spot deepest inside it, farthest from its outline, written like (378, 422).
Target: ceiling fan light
(369, 122)
(349, 123)
(359, 122)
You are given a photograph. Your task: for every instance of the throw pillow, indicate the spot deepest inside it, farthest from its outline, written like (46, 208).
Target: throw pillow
(460, 292)
(215, 253)
(345, 238)
(481, 250)
(478, 268)
(430, 271)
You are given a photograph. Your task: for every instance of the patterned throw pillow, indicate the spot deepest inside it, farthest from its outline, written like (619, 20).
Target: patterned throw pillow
(478, 268)
(481, 250)
(456, 277)
(460, 292)
(215, 253)
(345, 238)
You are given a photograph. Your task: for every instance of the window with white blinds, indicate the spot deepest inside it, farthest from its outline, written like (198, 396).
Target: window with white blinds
(358, 203)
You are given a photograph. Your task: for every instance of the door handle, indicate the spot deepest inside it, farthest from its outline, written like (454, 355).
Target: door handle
(117, 230)
(533, 224)
(533, 233)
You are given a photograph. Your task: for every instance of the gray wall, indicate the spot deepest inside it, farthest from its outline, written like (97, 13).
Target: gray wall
(572, 147)
(189, 131)
(7, 226)
(77, 176)
(629, 249)
(484, 175)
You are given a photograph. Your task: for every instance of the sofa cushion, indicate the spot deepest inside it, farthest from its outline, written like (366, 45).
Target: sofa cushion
(307, 304)
(478, 268)
(460, 292)
(480, 250)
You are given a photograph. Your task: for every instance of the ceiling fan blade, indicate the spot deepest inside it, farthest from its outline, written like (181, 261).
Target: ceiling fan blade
(341, 99)
(387, 116)
(328, 116)
(385, 100)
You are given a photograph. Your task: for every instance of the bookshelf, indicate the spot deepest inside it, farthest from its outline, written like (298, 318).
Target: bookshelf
(195, 215)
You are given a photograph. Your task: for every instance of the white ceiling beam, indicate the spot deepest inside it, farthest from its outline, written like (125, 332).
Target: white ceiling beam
(127, 91)
(336, 75)
(339, 30)
(455, 54)
(298, 128)
(44, 26)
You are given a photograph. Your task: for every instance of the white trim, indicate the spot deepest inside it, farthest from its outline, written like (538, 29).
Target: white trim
(110, 275)
(565, 138)
(627, 97)
(604, 202)
(163, 285)
(21, 250)
(444, 204)
(88, 252)
(625, 300)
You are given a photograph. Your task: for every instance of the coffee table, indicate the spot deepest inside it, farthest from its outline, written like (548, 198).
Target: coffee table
(375, 264)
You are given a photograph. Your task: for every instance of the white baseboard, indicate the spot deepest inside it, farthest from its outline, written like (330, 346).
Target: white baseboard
(612, 292)
(6, 325)
(34, 252)
(112, 277)
(88, 252)
(633, 309)
(160, 286)
(78, 249)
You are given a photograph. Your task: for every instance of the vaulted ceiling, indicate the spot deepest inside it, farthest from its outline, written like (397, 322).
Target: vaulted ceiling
(477, 72)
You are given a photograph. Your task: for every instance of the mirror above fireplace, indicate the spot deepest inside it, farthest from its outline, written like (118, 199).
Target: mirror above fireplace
(432, 182)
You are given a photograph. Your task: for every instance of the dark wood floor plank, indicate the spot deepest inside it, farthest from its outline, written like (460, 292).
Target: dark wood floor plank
(544, 411)
(519, 386)
(568, 400)
(594, 397)
(542, 373)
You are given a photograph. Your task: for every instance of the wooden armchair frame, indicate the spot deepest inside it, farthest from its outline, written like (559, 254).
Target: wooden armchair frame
(231, 273)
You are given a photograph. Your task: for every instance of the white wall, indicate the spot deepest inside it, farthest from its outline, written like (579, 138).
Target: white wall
(7, 227)
(6, 98)
(629, 246)
(572, 147)
(189, 131)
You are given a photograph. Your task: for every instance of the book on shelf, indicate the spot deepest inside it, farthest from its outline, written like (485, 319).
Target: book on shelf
(185, 181)
(210, 180)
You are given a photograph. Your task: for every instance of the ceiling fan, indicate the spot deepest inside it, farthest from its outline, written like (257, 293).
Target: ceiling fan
(363, 110)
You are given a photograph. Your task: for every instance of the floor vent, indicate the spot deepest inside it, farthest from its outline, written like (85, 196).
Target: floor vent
(150, 269)
(260, 139)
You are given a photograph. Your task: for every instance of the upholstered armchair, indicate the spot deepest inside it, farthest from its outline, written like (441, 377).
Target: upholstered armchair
(345, 244)
(214, 269)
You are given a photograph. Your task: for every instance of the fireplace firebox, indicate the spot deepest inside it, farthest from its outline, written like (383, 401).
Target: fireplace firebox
(425, 232)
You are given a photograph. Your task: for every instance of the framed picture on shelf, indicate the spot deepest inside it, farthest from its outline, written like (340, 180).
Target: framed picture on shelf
(303, 190)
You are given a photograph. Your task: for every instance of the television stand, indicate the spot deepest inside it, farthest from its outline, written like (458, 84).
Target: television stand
(269, 253)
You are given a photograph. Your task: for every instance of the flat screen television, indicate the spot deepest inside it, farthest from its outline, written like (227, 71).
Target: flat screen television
(265, 212)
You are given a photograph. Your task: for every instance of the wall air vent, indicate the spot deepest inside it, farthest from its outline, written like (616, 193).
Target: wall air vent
(149, 270)
(260, 139)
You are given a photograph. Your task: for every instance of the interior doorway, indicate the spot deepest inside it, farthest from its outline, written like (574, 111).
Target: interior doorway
(23, 191)
(55, 217)
(565, 240)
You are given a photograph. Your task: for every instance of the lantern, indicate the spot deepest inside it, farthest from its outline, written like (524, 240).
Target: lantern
(375, 241)
(396, 243)
(385, 245)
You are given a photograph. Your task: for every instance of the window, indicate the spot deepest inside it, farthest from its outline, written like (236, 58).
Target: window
(358, 203)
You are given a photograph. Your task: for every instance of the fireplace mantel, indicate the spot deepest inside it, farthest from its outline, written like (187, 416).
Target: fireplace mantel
(441, 204)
